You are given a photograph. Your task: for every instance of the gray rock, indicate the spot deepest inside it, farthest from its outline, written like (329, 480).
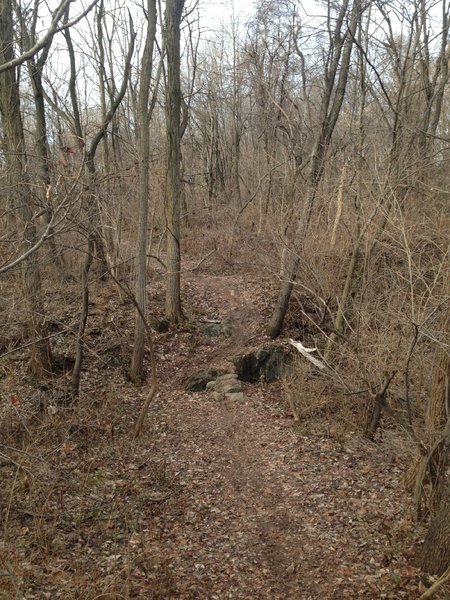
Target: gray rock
(225, 378)
(235, 397)
(216, 329)
(267, 363)
(198, 381)
(231, 386)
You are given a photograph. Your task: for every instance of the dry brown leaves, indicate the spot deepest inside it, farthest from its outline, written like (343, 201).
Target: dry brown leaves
(216, 500)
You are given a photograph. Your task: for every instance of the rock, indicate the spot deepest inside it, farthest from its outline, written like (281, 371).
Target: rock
(160, 325)
(226, 377)
(215, 329)
(267, 363)
(226, 386)
(198, 381)
(235, 396)
(231, 386)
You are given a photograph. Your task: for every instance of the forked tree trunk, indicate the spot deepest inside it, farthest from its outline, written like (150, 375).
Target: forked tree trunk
(93, 210)
(95, 238)
(21, 194)
(174, 10)
(35, 70)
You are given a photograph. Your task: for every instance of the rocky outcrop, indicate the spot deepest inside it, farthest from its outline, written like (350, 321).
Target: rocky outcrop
(199, 380)
(217, 328)
(267, 363)
(226, 386)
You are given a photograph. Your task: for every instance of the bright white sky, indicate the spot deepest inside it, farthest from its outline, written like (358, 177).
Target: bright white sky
(221, 11)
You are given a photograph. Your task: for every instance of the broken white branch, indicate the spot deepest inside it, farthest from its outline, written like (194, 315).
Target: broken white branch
(306, 352)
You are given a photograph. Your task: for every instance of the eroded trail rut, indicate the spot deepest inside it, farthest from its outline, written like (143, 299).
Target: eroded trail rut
(256, 510)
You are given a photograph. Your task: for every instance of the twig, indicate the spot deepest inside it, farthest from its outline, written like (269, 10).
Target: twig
(33, 456)
(436, 585)
(198, 265)
(33, 342)
(49, 231)
(157, 260)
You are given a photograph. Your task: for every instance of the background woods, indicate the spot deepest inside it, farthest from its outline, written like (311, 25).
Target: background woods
(178, 190)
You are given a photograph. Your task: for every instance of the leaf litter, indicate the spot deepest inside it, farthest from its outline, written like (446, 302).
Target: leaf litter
(216, 500)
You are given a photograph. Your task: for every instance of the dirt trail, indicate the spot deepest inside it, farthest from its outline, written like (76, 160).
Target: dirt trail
(258, 511)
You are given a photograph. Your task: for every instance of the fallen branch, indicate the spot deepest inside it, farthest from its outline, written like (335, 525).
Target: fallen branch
(436, 586)
(199, 264)
(306, 352)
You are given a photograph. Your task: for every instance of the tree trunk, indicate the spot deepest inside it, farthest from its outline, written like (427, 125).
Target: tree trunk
(21, 194)
(439, 405)
(335, 85)
(432, 460)
(137, 360)
(93, 210)
(174, 9)
(76, 373)
(435, 556)
(35, 69)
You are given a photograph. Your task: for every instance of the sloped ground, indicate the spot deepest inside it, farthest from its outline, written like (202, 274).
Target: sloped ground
(216, 500)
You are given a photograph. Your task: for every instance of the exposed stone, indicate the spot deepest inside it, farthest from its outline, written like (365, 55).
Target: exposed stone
(198, 381)
(267, 363)
(235, 396)
(226, 377)
(216, 329)
(226, 386)
(232, 386)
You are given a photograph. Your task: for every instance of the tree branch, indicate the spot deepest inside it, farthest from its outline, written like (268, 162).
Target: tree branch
(54, 28)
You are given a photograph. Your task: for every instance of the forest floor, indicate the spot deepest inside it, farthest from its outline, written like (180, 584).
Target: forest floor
(216, 499)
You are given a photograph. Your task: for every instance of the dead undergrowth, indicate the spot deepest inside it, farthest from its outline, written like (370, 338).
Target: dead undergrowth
(215, 500)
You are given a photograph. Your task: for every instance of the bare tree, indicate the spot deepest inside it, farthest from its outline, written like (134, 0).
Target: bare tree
(341, 38)
(174, 11)
(54, 27)
(94, 238)
(144, 117)
(434, 462)
(20, 192)
(36, 66)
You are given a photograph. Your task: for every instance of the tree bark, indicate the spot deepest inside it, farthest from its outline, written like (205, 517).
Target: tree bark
(35, 68)
(174, 9)
(21, 194)
(144, 114)
(435, 557)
